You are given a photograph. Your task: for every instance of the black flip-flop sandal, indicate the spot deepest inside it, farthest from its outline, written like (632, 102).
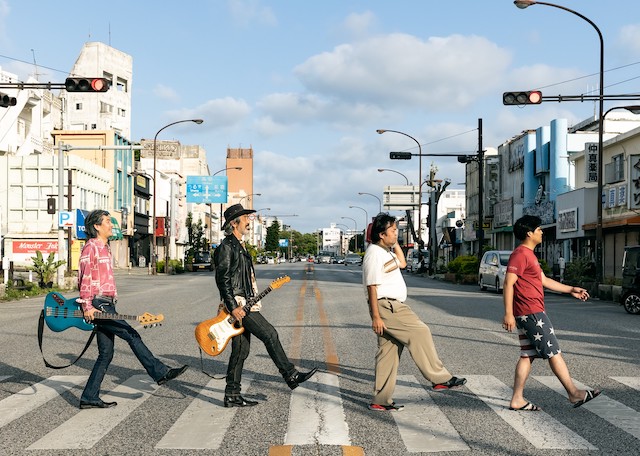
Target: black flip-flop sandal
(528, 407)
(588, 395)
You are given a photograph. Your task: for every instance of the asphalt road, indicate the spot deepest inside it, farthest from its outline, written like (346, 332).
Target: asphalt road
(322, 319)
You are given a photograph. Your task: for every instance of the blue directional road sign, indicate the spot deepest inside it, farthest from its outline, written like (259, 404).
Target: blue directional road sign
(207, 189)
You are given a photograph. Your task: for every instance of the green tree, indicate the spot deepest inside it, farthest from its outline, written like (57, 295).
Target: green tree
(304, 244)
(197, 240)
(273, 237)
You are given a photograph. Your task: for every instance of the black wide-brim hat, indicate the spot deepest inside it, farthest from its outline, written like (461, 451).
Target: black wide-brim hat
(233, 212)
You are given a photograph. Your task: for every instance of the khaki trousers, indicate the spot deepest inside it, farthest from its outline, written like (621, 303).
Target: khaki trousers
(404, 328)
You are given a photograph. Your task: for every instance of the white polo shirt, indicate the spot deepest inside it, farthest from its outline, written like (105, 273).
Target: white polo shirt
(381, 267)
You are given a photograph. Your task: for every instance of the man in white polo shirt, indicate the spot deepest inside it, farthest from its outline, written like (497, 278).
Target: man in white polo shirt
(393, 321)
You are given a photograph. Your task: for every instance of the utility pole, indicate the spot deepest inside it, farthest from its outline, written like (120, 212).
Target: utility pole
(480, 191)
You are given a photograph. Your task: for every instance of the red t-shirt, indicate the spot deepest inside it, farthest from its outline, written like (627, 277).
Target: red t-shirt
(528, 294)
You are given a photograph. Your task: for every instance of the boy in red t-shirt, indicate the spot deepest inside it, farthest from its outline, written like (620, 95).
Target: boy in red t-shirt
(524, 309)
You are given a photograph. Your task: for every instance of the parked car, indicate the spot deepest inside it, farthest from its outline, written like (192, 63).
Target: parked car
(202, 261)
(413, 263)
(630, 296)
(493, 268)
(352, 258)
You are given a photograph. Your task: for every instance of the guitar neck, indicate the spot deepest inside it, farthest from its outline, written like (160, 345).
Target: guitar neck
(107, 316)
(115, 316)
(252, 301)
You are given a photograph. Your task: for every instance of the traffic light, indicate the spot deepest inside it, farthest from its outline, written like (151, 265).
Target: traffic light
(87, 84)
(522, 98)
(51, 205)
(400, 155)
(6, 101)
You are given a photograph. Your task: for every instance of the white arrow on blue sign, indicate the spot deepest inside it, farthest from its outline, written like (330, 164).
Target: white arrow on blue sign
(207, 189)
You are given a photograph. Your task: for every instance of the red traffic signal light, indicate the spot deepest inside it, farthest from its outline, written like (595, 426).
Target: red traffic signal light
(6, 101)
(522, 98)
(87, 84)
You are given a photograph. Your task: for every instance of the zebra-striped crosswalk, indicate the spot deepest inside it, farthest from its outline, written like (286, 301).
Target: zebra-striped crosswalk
(316, 415)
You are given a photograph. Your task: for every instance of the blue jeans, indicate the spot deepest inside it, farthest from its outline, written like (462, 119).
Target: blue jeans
(254, 323)
(106, 330)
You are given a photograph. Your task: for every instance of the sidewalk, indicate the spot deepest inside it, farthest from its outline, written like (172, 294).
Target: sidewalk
(132, 271)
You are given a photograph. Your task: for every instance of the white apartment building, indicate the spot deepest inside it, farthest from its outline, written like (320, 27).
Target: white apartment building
(110, 110)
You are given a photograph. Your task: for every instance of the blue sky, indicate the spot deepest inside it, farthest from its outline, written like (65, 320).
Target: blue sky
(306, 84)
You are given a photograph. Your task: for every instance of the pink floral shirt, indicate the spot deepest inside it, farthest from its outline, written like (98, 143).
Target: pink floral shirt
(95, 275)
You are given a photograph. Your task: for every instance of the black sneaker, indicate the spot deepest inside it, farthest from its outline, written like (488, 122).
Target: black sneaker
(389, 408)
(452, 383)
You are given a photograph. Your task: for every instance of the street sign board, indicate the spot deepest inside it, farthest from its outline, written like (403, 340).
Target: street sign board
(66, 219)
(400, 197)
(207, 189)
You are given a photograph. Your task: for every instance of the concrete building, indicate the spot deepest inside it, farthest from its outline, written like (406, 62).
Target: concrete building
(110, 110)
(174, 163)
(548, 172)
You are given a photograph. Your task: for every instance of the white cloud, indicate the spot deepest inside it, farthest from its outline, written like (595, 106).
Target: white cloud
(166, 93)
(217, 113)
(245, 12)
(359, 24)
(402, 70)
(629, 38)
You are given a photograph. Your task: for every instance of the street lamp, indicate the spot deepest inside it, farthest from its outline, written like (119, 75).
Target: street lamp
(155, 144)
(355, 224)
(366, 222)
(394, 171)
(419, 177)
(376, 197)
(522, 4)
(249, 196)
(237, 168)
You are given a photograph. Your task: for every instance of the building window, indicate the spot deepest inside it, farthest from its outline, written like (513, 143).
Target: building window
(78, 106)
(94, 126)
(121, 85)
(614, 171)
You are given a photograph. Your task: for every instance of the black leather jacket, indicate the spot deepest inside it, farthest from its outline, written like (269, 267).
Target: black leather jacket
(234, 268)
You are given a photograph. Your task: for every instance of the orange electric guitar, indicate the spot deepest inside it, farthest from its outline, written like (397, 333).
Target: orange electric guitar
(213, 335)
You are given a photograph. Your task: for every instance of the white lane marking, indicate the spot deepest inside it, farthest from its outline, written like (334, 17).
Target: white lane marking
(424, 428)
(316, 414)
(30, 398)
(539, 428)
(606, 408)
(631, 382)
(204, 423)
(87, 427)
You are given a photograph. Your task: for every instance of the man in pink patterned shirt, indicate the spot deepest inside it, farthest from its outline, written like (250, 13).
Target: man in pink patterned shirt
(98, 293)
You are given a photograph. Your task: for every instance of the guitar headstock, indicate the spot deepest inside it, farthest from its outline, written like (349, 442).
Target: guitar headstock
(277, 283)
(149, 321)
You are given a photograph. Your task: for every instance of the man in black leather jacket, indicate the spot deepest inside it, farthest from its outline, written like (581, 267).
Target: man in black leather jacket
(235, 277)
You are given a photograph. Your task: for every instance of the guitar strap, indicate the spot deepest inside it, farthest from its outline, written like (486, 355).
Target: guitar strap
(47, 363)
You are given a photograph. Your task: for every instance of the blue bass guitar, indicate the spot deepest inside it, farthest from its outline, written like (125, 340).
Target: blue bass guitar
(61, 314)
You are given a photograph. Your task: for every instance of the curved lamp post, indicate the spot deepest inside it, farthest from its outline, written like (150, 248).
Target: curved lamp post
(380, 170)
(522, 4)
(376, 197)
(366, 221)
(419, 176)
(153, 225)
(237, 168)
(355, 224)
(249, 196)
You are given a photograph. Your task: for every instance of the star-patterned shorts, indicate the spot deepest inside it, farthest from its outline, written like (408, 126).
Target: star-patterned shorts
(537, 337)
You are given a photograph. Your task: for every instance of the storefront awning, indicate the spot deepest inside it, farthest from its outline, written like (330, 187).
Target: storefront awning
(117, 232)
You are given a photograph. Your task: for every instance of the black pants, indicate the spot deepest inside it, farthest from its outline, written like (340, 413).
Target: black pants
(254, 323)
(106, 331)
